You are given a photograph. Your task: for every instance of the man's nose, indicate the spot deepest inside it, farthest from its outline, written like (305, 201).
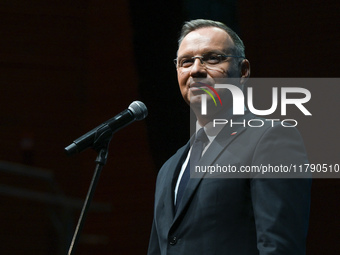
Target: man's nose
(198, 69)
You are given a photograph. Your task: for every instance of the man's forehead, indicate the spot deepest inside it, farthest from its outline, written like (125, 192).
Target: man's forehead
(208, 37)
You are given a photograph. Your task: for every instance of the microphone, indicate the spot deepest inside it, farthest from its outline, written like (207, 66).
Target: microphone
(136, 111)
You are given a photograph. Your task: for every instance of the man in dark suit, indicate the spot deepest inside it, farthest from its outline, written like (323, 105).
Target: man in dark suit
(215, 214)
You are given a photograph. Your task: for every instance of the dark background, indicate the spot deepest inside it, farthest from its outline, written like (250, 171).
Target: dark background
(67, 66)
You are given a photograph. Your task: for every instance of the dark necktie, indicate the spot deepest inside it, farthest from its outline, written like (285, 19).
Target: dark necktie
(195, 155)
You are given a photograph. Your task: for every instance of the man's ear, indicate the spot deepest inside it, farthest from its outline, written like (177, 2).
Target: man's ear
(245, 70)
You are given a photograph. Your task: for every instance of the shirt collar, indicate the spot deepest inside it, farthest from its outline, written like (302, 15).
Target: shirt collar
(209, 128)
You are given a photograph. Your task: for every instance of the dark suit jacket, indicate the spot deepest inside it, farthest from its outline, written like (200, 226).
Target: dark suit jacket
(240, 216)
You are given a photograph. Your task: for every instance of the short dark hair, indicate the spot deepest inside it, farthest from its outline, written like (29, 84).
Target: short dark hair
(193, 25)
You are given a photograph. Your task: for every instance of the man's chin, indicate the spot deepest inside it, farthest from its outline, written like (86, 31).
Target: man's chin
(195, 101)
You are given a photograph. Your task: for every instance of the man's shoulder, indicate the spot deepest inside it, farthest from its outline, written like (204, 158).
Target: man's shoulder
(260, 125)
(249, 131)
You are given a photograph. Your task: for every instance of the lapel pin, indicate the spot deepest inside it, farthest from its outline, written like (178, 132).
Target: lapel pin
(233, 133)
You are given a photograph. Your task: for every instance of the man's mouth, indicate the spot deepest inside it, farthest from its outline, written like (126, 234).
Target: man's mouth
(197, 86)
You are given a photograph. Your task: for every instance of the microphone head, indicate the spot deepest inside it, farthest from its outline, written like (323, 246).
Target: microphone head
(138, 109)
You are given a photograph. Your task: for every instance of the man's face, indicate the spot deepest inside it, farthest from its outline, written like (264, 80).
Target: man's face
(197, 43)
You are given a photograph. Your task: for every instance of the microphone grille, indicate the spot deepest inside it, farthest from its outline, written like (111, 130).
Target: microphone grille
(138, 109)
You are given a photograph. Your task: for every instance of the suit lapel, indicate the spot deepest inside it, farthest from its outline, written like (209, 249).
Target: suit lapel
(220, 143)
(165, 202)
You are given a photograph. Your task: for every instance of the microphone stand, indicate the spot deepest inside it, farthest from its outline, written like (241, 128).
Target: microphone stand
(101, 145)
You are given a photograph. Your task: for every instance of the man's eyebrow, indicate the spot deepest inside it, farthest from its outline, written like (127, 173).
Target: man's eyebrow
(185, 56)
(214, 51)
(208, 51)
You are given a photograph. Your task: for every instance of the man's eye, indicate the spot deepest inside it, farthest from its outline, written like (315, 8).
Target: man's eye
(213, 59)
(186, 62)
